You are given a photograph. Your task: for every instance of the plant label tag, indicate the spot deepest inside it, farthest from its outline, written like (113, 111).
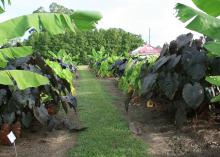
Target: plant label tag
(11, 137)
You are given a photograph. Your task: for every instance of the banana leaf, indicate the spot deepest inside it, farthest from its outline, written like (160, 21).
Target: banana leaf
(62, 73)
(199, 21)
(23, 79)
(213, 48)
(215, 80)
(211, 7)
(86, 20)
(53, 23)
(13, 53)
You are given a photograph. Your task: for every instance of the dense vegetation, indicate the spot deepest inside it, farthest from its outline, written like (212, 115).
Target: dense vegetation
(177, 80)
(80, 44)
(32, 87)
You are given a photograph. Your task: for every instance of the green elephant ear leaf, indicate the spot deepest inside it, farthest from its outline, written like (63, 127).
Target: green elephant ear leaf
(193, 95)
(23, 79)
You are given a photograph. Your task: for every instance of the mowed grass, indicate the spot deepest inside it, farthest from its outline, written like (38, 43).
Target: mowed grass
(108, 134)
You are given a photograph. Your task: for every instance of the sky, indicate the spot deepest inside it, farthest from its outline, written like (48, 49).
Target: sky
(135, 16)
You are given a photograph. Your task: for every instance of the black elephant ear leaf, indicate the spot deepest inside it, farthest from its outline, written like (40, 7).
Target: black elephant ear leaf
(169, 85)
(159, 63)
(183, 40)
(9, 117)
(41, 114)
(1, 121)
(64, 105)
(148, 83)
(164, 50)
(26, 119)
(3, 94)
(174, 60)
(71, 100)
(194, 63)
(215, 62)
(193, 95)
(197, 72)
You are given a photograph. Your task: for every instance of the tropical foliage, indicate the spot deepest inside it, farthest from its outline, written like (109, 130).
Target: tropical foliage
(206, 23)
(81, 44)
(52, 80)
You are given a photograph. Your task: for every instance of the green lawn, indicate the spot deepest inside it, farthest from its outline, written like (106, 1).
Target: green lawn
(108, 134)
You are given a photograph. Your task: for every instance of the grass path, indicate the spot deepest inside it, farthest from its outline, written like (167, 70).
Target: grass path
(108, 134)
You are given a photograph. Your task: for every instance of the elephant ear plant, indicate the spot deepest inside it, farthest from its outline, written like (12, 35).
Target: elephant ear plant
(207, 23)
(178, 77)
(29, 87)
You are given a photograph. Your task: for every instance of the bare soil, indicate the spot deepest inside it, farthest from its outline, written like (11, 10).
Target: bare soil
(200, 139)
(38, 142)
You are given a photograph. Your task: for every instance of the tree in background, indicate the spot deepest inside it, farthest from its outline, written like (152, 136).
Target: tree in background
(80, 44)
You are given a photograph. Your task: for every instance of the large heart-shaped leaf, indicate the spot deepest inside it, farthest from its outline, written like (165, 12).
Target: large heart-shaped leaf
(197, 72)
(169, 84)
(71, 100)
(174, 60)
(26, 119)
(148, 83)
(9, 117)
(193, 62)
(183, 40)
(41, 114)
(193, 95)
(159, 63)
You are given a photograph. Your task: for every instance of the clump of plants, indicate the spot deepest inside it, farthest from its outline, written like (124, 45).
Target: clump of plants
(19, 105)
(177, 78)
(32, 87)
(104, 64)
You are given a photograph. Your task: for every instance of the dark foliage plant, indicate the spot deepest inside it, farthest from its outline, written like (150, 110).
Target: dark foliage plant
(178, 78)
(25, 105)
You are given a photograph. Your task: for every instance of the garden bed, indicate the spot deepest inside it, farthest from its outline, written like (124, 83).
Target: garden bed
(199, 138)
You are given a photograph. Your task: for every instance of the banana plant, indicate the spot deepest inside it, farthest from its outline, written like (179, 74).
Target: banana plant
(207, 23)
(53, 23)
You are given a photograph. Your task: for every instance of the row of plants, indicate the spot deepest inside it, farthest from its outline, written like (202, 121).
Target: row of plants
(127, 68)
(80, 44)
(33, 87)
(183, 78)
